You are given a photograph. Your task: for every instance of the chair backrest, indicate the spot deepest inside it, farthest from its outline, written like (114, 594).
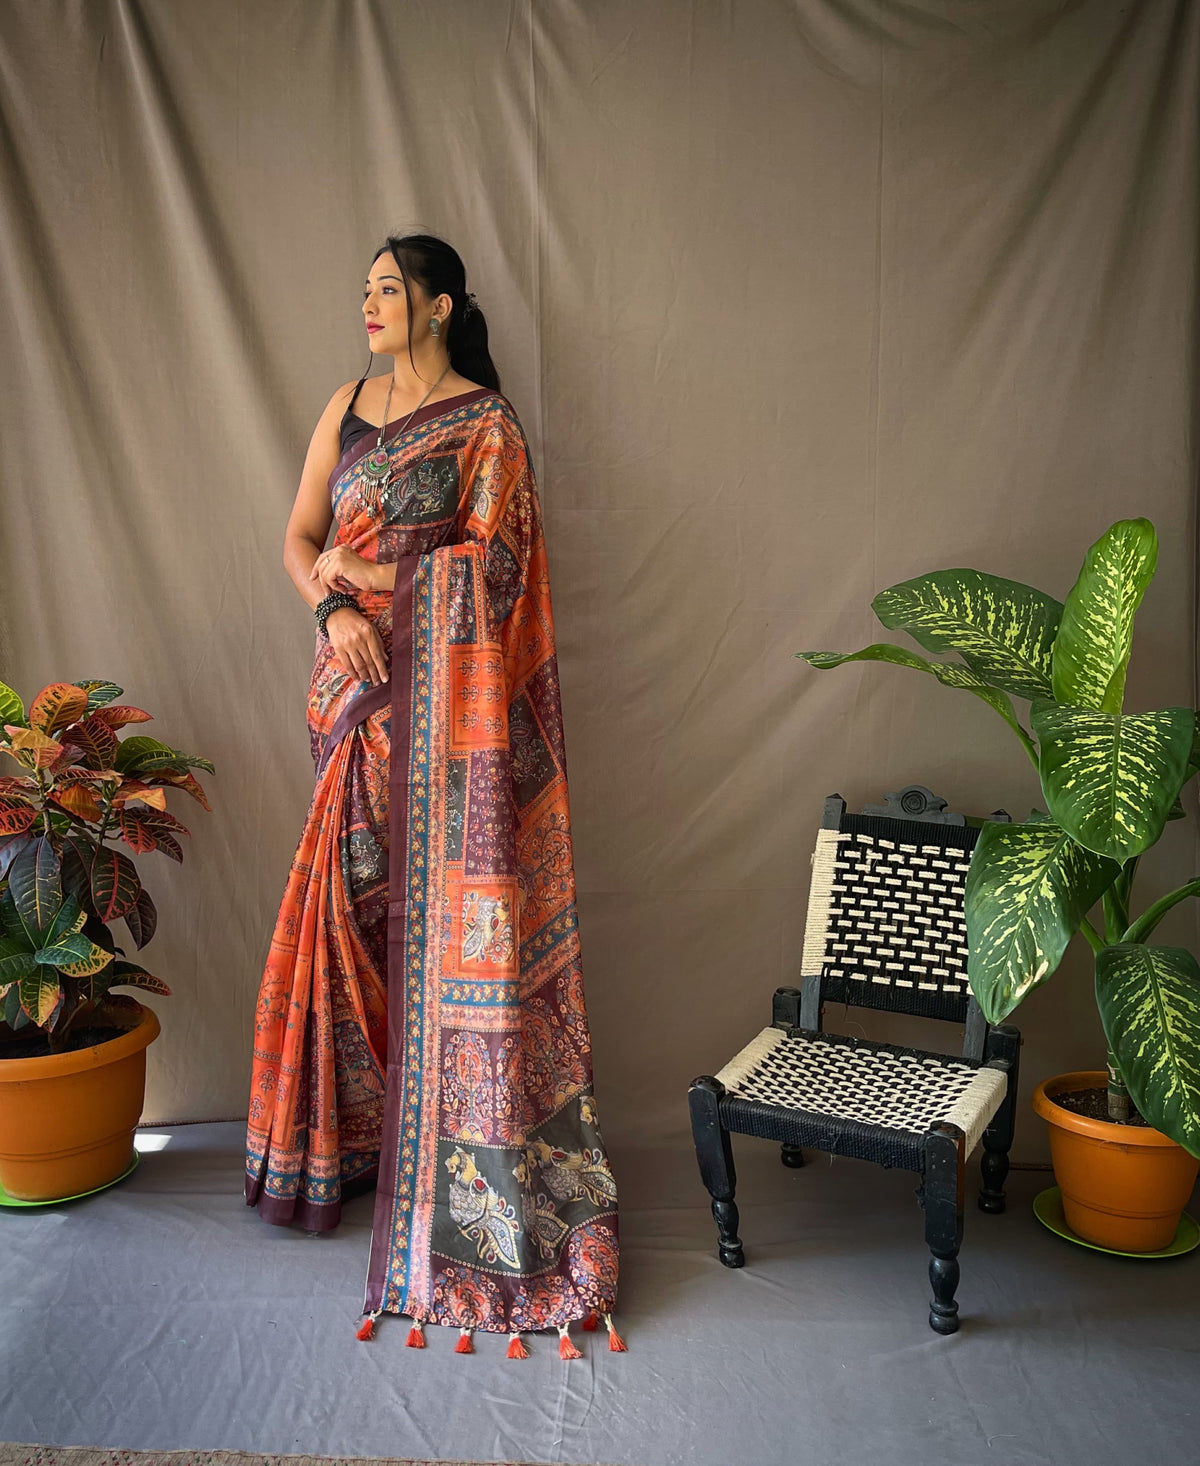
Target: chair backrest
(886, 926)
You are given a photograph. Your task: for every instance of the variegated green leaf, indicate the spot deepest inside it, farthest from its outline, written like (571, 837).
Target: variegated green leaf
(12, 709)
(40, 994)
(1003, 630)
(1149, 1001)
(16, 960)
(75, 955)
(950, 674)
(1028, 887)
(69, 919)
(144, 752)
(99, 692)
(1091, 650)
(1110, 778)
(35, 880)
(74, 947)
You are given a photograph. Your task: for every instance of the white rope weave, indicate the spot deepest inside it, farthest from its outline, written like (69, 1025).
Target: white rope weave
(863, 1083)
(887, 912)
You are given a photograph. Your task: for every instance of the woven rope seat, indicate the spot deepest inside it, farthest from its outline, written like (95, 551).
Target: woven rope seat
(858, 1086)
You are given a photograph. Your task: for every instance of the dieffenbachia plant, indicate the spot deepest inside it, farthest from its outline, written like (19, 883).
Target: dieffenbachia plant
(61, 881)
(1110, 779)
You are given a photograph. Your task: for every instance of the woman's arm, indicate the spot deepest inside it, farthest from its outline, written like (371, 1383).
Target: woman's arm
(312, 514)
(355, 641)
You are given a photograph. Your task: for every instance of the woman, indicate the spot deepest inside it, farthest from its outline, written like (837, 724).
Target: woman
(420, 1025)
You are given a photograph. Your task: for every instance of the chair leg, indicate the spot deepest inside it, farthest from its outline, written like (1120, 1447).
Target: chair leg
(1003, 1052)
(715, 1155)
(942, 1198)
(791, 1155)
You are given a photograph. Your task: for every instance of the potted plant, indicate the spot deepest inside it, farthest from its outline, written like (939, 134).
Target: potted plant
(1110, 780)
(72, 1052)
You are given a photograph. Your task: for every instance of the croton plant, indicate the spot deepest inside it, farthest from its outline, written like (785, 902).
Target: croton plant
(64, 877)
(1110, 779)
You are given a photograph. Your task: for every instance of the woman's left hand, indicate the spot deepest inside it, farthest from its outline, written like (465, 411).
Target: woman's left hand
(341, 569)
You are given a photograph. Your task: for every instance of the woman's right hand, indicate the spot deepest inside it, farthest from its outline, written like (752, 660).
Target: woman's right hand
(358, 646)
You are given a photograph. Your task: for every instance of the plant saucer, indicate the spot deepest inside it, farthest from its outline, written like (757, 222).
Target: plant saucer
(1048, 1208)
(6, 1200)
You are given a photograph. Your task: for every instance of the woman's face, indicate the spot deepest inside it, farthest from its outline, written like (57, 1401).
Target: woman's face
(384, 307)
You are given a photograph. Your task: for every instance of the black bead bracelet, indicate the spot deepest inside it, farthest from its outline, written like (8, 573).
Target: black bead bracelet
(334, 601)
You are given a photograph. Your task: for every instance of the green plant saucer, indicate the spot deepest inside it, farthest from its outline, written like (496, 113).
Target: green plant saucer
(7, 1200)
(1048, 1208)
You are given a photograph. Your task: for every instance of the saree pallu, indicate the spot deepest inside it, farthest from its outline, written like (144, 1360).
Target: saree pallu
(421, 1021)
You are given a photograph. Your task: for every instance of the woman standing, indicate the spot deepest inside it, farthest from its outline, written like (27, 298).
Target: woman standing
(421, 1024)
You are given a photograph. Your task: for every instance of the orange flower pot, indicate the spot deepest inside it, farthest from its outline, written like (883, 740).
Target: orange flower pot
(67, 1120)
(1123, 1186)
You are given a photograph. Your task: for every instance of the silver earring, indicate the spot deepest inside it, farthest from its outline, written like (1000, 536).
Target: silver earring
(435, 325)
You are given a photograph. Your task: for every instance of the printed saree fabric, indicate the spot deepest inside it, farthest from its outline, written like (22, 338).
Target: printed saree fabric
(421, 1021)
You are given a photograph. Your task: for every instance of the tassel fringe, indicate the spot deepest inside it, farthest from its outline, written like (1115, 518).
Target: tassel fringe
(516, 1348)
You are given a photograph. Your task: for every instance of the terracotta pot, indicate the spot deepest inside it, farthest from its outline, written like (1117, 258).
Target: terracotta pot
(1123, 1186)
(67, 1120)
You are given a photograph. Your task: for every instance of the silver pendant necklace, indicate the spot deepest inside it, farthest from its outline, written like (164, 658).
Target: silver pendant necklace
(376, 466)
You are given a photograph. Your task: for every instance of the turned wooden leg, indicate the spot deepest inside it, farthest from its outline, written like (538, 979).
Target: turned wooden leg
(942, 1198)
(715, 1156)
(1003, 1052)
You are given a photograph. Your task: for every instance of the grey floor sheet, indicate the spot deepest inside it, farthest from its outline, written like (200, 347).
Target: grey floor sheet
(163, 1314)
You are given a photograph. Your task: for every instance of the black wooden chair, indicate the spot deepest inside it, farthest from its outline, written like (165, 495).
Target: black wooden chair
(885, 929)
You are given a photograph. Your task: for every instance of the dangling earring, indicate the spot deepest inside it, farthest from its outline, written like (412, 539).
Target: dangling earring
(435, 325)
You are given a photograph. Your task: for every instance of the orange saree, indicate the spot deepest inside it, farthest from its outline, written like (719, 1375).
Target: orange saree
(420, 1023)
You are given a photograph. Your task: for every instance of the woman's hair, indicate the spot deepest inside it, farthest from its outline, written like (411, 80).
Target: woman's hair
(438, 269)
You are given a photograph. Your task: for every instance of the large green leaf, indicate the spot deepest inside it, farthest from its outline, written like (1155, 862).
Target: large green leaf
(950, 674)
(143, 752)
(1149, 1001)
(1028, 888)
(16, 960)
(69, 948)
(35, 879)
(1110, 778)
(10, 919)
(1003, 630)
(1091, 650)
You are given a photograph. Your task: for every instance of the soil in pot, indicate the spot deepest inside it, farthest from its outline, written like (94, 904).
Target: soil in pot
(37, 1045)
(1093, 1103)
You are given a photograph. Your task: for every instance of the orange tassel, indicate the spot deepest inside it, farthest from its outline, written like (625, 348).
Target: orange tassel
(416, 1338)
(517, 1350)
(366, 1329)
(464, 1345)
(615, 1342)
(567, 1350)
(591, 1323)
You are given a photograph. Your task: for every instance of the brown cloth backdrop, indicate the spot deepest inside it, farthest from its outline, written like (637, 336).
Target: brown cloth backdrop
(794, 301)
